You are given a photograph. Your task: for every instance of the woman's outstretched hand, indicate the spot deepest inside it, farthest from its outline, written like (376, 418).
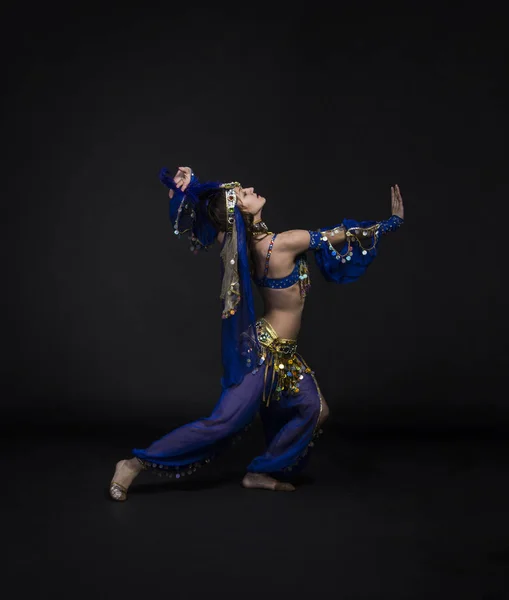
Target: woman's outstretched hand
(397, 202)
(182, 179)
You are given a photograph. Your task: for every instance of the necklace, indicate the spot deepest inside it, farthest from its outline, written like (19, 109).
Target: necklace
(259, 228)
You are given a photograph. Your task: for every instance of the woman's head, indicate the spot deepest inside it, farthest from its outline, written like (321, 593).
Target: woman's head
(250, 206)
(249, 203)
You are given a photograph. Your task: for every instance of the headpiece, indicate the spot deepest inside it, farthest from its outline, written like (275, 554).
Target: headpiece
(230, 287)
(189, 214)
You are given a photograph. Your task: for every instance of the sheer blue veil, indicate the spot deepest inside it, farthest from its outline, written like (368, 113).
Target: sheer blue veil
(189, 215)
(239, 339)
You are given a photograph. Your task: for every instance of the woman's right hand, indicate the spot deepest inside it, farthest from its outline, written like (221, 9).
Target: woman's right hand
(183, 178)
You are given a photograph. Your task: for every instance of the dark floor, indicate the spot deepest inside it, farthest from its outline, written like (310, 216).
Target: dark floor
(377, 516)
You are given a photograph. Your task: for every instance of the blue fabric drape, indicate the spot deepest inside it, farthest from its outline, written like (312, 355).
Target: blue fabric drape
(239, 341)
(348, 271)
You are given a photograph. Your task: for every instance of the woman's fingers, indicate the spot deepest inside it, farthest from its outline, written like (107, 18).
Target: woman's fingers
(182, 184)
(180, 180)
(183, 178)
(397, 201)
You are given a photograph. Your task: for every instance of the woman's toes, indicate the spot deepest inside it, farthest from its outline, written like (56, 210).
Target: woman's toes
(125, 472)
(282, 486)
(118, 492)
(248, 481)
(265, 482)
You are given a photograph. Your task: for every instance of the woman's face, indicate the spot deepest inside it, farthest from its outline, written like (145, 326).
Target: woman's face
(249, 201)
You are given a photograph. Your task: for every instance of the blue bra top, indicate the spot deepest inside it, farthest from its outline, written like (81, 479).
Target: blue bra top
(283, 282)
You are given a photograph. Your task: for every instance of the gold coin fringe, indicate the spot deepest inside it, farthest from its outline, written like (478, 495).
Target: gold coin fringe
(177, 472)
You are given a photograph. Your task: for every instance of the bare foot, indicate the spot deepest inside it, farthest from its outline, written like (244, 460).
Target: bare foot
(125, 473)
(265, 482)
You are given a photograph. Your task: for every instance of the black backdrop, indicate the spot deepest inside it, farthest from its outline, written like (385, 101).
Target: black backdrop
(107, 317)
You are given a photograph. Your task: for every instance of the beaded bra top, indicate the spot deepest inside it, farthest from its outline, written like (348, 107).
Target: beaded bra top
(299, 274)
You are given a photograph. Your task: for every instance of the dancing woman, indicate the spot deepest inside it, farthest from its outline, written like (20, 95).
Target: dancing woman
(262, 371)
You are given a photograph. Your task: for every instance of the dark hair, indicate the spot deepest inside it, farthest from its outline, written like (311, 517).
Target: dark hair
(216, 211)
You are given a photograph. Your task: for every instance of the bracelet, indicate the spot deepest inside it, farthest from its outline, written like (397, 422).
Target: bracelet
(315, 240)
(391, 224)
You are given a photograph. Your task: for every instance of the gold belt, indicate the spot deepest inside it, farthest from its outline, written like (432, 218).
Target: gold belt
(280, 353)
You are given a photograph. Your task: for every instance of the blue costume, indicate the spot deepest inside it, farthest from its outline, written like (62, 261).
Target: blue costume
(262, 373)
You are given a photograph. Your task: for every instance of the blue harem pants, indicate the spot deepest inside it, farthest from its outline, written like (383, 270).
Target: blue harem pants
(290, 426)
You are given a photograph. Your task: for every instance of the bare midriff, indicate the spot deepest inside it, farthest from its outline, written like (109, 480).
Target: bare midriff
(283, 310)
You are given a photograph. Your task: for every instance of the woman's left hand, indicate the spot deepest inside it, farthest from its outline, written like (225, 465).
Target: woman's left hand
(397, 202)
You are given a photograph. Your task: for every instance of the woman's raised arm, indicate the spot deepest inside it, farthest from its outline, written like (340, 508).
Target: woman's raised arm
(297, 241)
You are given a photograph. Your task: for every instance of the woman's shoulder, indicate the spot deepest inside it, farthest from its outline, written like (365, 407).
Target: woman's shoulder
(294, 241)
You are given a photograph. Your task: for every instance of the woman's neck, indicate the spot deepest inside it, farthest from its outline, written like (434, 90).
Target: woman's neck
(258, 216)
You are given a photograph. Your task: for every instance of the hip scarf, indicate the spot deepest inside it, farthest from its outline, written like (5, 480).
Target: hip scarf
(281, 354)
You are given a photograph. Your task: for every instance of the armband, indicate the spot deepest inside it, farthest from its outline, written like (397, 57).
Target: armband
(318, 238)
(315, 241)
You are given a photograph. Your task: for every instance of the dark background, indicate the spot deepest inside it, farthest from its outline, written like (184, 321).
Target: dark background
(322, 110)
(112, 328)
